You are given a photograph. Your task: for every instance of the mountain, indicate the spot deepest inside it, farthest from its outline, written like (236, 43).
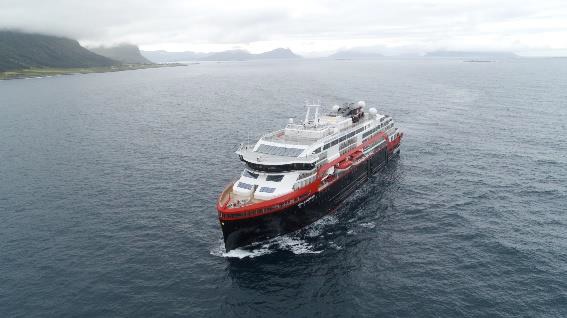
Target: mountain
(125, 53)
(355, 55)
(473, 54)
(26, 50)
(279, 53)
(230, 55)
(165, 57)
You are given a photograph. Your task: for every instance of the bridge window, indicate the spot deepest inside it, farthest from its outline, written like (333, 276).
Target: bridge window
(280, 168)
(274, 177)
(249, 174)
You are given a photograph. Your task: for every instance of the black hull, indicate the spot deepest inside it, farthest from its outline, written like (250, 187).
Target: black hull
(242, 232)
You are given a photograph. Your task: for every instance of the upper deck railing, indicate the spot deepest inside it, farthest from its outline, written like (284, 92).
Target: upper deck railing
(281, 137)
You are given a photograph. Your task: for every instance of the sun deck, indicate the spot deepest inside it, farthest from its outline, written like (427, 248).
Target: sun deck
(303, 136)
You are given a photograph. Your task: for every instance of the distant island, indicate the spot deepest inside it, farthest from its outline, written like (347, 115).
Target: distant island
(355, 55)
(365, 54)
(484, 55)
(230, 55)
(35, 55)
(162, 56)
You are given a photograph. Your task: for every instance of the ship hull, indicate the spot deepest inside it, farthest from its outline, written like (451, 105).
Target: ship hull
(243, 232)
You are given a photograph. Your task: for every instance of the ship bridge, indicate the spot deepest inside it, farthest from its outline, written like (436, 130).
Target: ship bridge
(272, 158)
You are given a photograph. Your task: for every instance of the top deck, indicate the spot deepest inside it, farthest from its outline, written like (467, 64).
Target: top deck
(302, 134)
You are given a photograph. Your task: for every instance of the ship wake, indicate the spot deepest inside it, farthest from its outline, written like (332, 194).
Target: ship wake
(298, 242)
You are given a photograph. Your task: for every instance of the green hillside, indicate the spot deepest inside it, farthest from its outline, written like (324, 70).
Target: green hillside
(125, 53)
(25, 50)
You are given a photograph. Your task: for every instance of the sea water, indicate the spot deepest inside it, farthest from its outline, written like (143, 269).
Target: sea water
(108, 186)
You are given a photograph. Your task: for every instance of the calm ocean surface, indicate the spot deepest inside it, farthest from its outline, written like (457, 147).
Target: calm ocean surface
(108, 184)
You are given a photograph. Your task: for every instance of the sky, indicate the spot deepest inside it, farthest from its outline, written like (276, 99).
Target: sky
(311, 28)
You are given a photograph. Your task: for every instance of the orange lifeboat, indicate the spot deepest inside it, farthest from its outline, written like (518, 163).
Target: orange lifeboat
(356, 155)
(345, 164)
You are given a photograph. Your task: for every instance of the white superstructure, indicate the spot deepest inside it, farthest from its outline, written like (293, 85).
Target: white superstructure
(288, 159)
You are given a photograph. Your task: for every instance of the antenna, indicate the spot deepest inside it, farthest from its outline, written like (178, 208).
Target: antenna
(308, 112)
(314, 121)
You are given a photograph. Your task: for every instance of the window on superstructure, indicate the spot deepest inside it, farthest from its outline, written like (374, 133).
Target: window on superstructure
(249, 174)
(267, 189)
(274, 177)
(347, 143)
(244, 185)
(318, 150)
(280, 168)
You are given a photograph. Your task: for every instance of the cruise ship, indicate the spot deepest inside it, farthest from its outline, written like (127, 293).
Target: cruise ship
(296, 175)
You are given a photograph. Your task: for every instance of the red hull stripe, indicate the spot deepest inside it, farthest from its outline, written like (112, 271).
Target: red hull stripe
(265, 204)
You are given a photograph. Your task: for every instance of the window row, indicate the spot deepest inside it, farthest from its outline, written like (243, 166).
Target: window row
(347, 143)
(270, 177)
(343, 138)
(279, 168)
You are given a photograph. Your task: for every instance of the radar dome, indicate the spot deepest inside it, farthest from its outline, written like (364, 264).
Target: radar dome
(362, 103)
(373, 111)
(336, 108)
(290, 121)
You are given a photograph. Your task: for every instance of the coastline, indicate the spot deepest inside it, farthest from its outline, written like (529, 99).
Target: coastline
(53, 71)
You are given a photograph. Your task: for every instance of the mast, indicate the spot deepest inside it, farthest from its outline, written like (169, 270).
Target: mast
(314, 121)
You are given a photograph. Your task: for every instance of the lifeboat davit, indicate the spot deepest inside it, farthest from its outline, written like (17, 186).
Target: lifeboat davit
(356, 155)
(345, 164)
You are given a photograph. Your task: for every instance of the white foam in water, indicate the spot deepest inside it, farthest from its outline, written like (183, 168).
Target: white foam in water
(286, 243)
(240, 252)
(317, 227)
(335, 246)
(295, 245)
(369, 225)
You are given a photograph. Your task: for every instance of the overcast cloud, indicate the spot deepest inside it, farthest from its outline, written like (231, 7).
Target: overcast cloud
(307, 27)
